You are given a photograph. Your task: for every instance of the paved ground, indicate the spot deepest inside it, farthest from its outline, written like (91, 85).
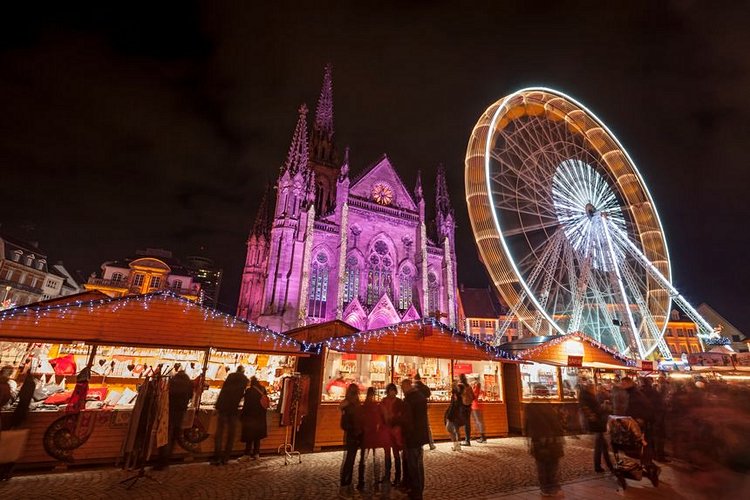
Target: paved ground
(499, 468)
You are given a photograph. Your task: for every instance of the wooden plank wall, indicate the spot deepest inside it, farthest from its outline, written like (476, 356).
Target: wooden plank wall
(512, 387)
(106, 440)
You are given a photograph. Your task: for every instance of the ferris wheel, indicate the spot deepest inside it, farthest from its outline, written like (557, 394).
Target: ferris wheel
(566, 227)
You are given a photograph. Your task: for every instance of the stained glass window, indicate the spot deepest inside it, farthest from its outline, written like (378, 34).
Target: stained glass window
(351, 279)
(405, 287)
(318, 287)
(379, 274)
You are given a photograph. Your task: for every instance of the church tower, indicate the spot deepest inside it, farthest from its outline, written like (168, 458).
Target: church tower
(324, 159)
(294, 197)
(254, 275)
(445, 222)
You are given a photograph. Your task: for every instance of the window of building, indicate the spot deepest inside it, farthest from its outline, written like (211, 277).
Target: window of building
(155, 282)
(690, 332)
(475, 323)
(177, 284)
(379, 273)
(539, 381)
(34, 282)
(117, 276)
(489, 323)
(433, 294)
(365, 370)
(487, 373)
(9, 276)
(51, 284)
(405, 288)
(680, 332)
(668, 333)
(318, 286)
(675, 315)
(138, 279)
(351, 279)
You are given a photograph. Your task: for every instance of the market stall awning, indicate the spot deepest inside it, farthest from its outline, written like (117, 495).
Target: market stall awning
(159, 319)
(574, 349)
(74, 298)
(423, 337)
(319, 332)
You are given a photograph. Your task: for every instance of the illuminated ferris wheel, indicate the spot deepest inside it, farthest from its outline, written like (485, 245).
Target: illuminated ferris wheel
(565, 225)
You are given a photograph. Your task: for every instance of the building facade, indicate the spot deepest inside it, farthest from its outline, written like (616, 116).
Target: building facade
(330, 246)
(26, 276)
(150, 270)
(681, 335)
(479, 313)
(209, 275)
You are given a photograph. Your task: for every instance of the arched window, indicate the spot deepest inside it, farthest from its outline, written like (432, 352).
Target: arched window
(319, 192)
(379, 273)
(318, 286)
(405, 287)
(351, 279)
(433, 294)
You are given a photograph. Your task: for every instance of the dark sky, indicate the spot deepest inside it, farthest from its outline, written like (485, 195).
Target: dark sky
(157, 123)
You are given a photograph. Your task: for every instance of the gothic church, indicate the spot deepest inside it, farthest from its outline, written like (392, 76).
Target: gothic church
(354, 248)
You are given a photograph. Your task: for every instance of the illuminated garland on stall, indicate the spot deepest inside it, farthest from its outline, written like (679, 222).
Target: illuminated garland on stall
(349, 342)
(562, 338)
(69, 310)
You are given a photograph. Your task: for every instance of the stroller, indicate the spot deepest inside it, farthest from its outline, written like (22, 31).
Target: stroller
(632, 457)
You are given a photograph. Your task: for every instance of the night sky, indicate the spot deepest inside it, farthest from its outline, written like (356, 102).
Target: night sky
(157, 124)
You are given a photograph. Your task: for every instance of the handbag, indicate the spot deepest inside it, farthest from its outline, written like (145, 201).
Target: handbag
(264, 401)
(12, 444)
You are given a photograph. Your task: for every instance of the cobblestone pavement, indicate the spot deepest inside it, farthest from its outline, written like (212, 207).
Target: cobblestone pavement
(499, 467)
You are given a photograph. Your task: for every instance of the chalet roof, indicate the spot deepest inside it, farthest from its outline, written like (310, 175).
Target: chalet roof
(160, 319)
(423, 337)
(319, 332)
(552, 350)
(479, 303)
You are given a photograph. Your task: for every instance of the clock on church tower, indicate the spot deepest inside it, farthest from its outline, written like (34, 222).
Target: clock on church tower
(382, 193)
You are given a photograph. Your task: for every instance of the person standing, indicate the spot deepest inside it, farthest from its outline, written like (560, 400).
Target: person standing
(416, 436)
(544, 431)
(227, 409)
(180, 392)
(467, 398)
(372, 437)
(595, 419)
(422, 387)
(253, 419)
(454, 417)
(352, 423)
(392, 409)
(477, 411)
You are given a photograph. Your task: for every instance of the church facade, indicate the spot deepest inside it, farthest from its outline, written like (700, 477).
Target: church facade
(327, 245)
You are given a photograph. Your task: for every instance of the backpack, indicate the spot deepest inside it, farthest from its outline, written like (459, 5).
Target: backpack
(467, 396)
(264, 401)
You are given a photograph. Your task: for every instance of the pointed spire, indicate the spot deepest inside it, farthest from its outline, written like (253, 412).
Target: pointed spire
(344, 173)
(442, 200)
(324, 111)
(296, 160)
(262, 226)
(418, 188)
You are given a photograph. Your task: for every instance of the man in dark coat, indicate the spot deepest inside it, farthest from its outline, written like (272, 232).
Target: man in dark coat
(180, 393)
(227, 409)
(544, 430)
(422, 387)
(417, 434)
(595, 418)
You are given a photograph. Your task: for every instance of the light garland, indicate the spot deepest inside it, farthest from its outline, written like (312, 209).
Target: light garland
(70, 310)
(562, 338)
(349, 342)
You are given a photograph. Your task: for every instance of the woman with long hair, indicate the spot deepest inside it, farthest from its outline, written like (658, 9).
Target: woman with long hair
(253, 419)
(352, 422)
(392, 409)
(454, 416)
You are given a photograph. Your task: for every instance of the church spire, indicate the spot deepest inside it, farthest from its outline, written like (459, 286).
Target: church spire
(262, 226)
(442, 200)
(296, 159)
(418, 188)
(324, 111)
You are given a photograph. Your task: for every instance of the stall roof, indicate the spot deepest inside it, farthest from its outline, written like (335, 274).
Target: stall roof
(160, 319)
(554, 350)
(422, 337)
(74, 298)
(319, 332)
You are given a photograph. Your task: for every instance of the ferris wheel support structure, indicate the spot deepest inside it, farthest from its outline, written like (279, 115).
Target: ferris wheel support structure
(701, 322)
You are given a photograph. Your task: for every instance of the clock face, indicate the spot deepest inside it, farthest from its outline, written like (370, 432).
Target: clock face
(382, 194)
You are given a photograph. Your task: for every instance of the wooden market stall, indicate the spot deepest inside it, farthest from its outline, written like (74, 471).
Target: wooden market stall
(551, 371)
(123, 338)
(378, 357)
